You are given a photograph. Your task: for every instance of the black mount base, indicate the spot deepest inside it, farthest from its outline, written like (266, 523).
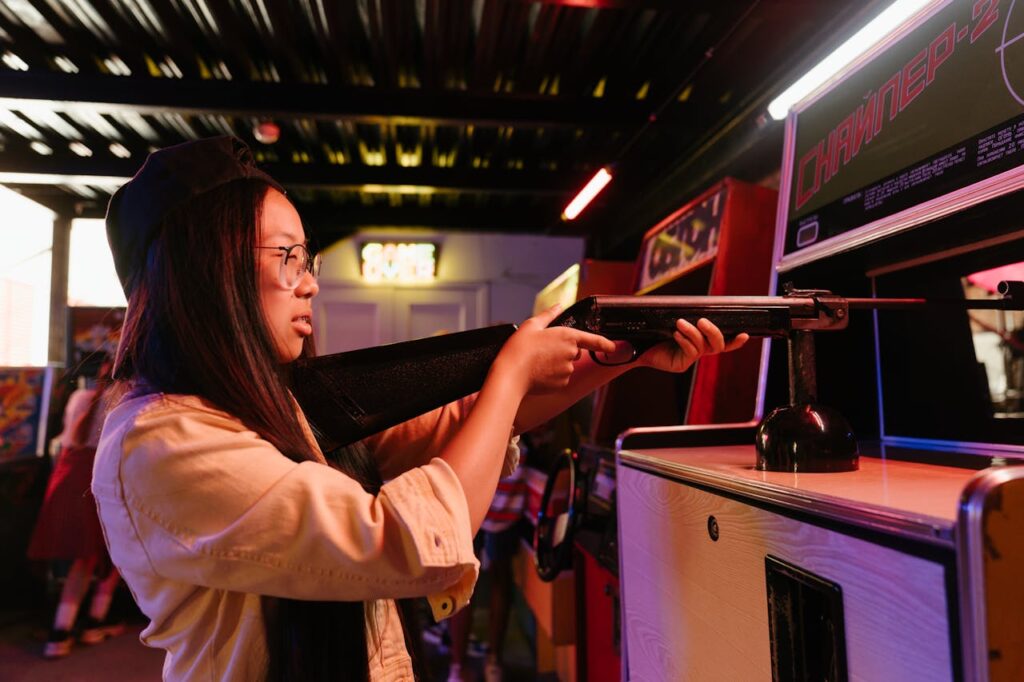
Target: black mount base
(806, 438)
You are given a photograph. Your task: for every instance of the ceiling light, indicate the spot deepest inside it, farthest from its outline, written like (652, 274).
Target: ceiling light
(876, 31)
(14, 61)
(80, 149)
(587, 194)
(119, 150)
(266, 132)
(173, 67)
(65, 64)
(41, 148)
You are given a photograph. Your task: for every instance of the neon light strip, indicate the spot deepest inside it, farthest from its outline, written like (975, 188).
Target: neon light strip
(587, 194)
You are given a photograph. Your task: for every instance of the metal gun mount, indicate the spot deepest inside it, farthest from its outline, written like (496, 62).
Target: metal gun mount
(806, 436)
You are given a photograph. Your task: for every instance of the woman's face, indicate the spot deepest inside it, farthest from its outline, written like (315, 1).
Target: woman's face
(288, 312)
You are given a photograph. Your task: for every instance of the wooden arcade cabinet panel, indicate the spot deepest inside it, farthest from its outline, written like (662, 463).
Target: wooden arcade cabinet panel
(695, 608)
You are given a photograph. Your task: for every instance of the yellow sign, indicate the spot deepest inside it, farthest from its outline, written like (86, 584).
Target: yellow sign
(400, 263)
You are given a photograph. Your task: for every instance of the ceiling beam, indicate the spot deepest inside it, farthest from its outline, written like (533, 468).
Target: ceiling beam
(328, 223)
(29, 168)
(615, 4)
(24, 91)
(332, 222)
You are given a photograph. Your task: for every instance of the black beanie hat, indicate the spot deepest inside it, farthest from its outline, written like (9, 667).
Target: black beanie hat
(168, 178)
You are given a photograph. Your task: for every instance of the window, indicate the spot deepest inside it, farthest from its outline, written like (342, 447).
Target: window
(999, 341)
(92, 280)
(27, 234)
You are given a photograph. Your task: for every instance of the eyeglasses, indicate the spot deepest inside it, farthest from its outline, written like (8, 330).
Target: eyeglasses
(295, 262)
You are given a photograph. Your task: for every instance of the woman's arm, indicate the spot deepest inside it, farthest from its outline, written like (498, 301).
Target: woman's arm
(188, 493)
(690, 343)
(535, 359)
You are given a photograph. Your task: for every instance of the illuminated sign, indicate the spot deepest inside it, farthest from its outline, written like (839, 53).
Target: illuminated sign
(396, 262)
(937, 111)
(684, 240)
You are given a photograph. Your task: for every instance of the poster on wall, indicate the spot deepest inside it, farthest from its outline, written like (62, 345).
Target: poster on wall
(24, 406)
(92, 333)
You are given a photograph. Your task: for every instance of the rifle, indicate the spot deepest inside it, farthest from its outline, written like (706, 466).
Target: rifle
(349, 396)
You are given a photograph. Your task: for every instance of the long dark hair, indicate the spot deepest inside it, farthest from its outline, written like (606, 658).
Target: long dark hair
(194, 325)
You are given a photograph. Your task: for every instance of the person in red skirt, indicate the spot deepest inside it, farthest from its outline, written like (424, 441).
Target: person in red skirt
(68, 527)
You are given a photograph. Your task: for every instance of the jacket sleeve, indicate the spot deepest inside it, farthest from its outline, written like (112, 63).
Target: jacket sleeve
(412, 443)
(214, 504)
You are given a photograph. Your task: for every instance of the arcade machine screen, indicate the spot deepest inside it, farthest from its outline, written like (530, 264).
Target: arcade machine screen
(961, 378)
(927, 128)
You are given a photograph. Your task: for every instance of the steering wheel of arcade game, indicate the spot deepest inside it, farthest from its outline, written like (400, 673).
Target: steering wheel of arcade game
(553, 537)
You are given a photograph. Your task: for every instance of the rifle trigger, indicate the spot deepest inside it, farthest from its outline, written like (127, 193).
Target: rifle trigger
(633, 356)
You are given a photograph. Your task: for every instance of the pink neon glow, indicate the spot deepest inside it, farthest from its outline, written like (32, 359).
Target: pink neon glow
(587, 194)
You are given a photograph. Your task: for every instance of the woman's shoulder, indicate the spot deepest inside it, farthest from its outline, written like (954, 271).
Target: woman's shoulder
(168, 415)
(146, 436)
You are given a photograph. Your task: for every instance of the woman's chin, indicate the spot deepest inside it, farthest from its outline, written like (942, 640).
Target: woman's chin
(287, 355)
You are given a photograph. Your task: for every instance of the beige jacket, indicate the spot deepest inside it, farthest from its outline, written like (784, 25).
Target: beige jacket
(202, 516)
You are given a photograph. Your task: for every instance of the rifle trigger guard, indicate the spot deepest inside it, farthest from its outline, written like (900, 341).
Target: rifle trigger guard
(634, 354)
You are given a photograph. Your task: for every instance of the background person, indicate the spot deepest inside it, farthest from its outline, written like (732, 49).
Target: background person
(68, 528)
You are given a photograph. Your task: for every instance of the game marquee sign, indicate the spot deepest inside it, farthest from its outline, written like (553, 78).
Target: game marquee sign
(938, 110)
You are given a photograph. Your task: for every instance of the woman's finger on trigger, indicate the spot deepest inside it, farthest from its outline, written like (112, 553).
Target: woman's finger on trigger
(594, 342)
(545, 317)
(712, 334)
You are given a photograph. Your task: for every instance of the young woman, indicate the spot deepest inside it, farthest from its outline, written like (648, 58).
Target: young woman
(254, 556)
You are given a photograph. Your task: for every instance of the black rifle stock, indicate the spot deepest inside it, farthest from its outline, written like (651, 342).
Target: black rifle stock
(349, 396)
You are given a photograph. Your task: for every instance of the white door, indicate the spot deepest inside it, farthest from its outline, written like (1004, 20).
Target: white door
(419, 313)
(350, 317)
(347, 318)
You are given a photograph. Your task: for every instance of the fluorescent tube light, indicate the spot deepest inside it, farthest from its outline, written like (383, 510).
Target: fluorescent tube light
(587, 194)
(873, 33)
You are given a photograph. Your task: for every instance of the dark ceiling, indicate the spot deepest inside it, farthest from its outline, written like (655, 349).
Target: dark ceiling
(454, 114)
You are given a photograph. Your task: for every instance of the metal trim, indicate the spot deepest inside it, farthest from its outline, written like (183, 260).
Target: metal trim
(967, 447)
(689, 428)
(878, 365)
(913, 217)
(924, 529)
(970, 544)
(623, 638)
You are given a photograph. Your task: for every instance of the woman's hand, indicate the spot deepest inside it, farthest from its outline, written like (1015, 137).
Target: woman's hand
(541, 359)
(691, 342)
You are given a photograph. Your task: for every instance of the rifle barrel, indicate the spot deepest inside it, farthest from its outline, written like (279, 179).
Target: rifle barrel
(966, 303)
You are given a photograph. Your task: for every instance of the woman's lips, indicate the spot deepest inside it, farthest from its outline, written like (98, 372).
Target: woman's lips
(303, 324)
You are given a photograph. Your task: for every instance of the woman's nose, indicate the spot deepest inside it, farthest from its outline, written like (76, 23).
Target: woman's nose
(308, 287)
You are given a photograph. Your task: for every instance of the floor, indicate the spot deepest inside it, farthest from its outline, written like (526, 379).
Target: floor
(519, 657)
(122, 658)
(125, 659)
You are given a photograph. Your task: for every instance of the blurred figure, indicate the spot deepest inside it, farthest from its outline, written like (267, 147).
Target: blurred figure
(496, 545)
(68, 526)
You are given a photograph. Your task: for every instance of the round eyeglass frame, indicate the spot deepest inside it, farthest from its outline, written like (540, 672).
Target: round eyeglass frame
(311, 265)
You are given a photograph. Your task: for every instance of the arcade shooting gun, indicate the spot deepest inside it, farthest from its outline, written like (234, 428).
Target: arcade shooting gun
(349, 396)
